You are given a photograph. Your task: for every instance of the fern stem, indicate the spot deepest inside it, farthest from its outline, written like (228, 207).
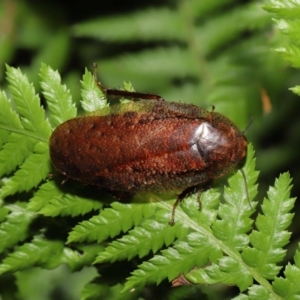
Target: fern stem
(229, 251)
(24, 132)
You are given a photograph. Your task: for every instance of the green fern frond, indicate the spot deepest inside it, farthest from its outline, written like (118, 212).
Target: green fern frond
(233, 23)
(287, 20)
(289, 287)
(287, 9)
(208, 245)
(227, 271)
(170, 24)
(80, 257)
(93, 98)
(14, 228)
(256, 292)
(25, 146)
(35, 169)
(27, 103)
(40, 252)
(291, 54)
(149, 236)
(94, 290)
(196, 251)
(235, 212)
(9, 119)
(59, 99)
(259, 262)
(145, 28)
(43, 195)
(15, 148)
(111, 222)
(99, 289)
(271, 235)
(205, 216)
(69, 205)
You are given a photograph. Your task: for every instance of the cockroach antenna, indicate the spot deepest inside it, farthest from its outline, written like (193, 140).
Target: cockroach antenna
(242, 171)
(246, 187)
(248, 125)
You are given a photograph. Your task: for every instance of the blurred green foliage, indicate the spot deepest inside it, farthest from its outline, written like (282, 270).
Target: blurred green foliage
(215, 52)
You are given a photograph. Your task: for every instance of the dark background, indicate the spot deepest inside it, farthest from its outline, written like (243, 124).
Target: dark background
(204, 52)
